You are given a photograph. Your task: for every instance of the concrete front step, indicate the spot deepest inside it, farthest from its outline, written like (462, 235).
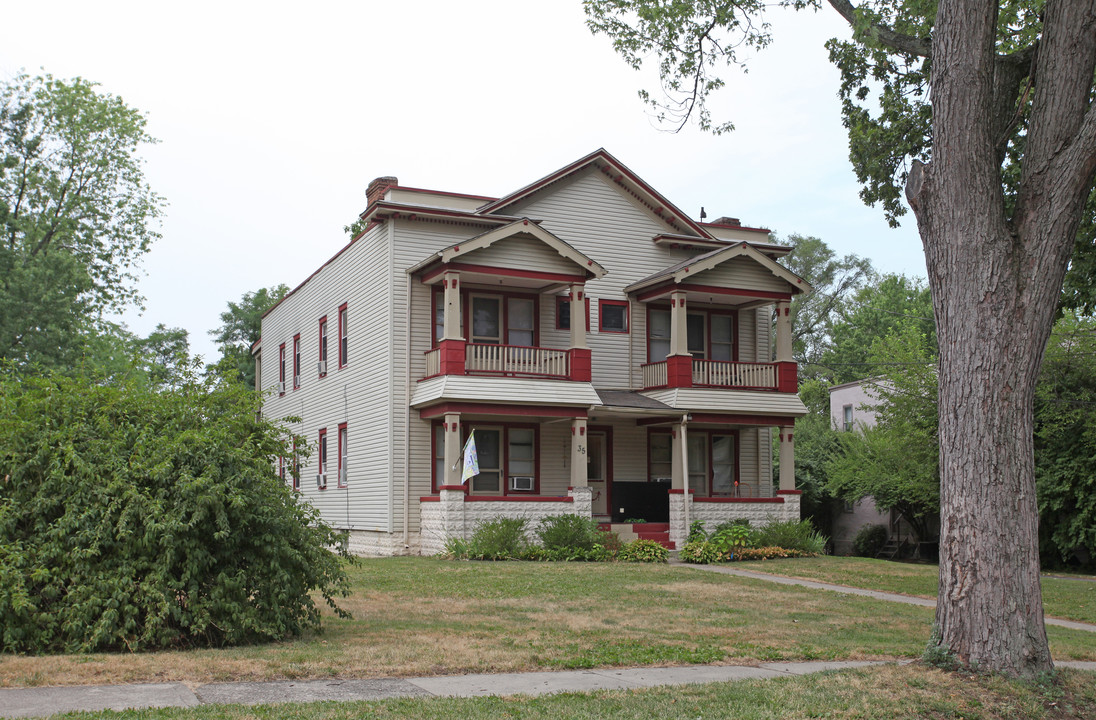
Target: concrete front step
(659, 532)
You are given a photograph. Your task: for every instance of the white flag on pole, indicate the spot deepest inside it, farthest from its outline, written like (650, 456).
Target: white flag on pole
(471, 460)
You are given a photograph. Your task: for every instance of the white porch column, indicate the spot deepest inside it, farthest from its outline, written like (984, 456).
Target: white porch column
(787, 458)
(578, 315)
(451, 284)
(452, 449)
(679, 331)
(579, 449)
(451, 494)
(681, 502)
(783, 332)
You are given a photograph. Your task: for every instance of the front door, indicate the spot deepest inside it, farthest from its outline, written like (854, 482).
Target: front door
(597, 476)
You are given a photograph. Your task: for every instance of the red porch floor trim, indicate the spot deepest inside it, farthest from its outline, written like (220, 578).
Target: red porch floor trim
(737, 500)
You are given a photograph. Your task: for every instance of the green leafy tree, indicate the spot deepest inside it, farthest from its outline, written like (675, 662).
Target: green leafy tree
(165, 357)
(1065, 443)
(835, 280)
(897, 461)
(241, 326)
(815, 443)
(75, 215)
(981, 112)
(872, 313)
(135, 519)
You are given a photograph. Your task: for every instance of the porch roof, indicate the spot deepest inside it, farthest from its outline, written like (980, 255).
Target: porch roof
(776, 404)
(686, 270)
(584, 266)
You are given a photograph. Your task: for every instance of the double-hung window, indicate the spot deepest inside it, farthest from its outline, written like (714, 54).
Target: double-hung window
(507, 460)
(709, 335)
(323, 347)
(612, 316)
(296, 361)
(342, 455)
(322, 452)
(498, 320)
(344, 342)
(281, 372)
(713, 467)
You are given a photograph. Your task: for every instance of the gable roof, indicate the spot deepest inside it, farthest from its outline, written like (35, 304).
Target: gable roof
(524, 226)
(687, 269)
(623, 176)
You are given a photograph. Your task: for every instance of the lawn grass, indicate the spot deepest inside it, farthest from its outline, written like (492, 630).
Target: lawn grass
(1067, 598)
(870, 693)
(424, 616)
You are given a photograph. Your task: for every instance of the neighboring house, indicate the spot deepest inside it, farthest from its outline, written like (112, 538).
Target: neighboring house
(608, 351)
(852, 408)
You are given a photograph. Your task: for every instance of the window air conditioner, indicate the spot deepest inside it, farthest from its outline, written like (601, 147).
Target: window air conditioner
(281, 388)
(321, 481)
(521, 482)
(321, 366)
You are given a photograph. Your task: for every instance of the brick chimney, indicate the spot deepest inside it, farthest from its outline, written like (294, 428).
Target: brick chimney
(733, 222)
(378, 188)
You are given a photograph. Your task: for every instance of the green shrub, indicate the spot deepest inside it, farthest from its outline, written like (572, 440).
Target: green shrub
(697, 532)
(498, 539)
(700, 552)
(790, 535)
(133, 519)
(569, 533)
(643, 551)
(870, 540)
(731, 538)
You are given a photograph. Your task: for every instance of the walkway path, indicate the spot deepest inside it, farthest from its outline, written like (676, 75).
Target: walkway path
(40, 702)
(877, 594)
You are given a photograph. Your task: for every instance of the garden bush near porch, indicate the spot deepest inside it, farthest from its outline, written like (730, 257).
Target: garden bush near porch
(737, 541)
(561, 537)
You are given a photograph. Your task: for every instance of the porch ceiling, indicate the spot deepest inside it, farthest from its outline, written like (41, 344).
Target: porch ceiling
(743, 402)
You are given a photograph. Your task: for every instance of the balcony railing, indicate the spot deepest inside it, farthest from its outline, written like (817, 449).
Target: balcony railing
(515, 360)
(720, 373)
(654, 374)
(433, 362)
(713, 373)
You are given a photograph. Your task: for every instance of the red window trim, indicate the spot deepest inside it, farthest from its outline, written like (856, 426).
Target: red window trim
(323, 343)
(344, 340)
(296, 361)
(504, 459)
(560, 300)
(341, 440)
(281, 467)
(708, 312)
(602, 304)
(281, 371)
(321, 454)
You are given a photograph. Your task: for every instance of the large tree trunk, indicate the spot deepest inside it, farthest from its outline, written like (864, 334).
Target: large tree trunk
(995, 281)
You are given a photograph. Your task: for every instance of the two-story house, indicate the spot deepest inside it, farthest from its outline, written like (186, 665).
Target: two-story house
(615, 358)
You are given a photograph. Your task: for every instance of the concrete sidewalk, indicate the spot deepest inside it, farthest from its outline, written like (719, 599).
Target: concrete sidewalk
(876, 594)
(41, 702)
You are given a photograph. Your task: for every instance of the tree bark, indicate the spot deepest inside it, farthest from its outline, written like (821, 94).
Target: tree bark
(995, 282)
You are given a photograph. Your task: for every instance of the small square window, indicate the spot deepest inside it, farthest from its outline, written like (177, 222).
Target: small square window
(563, 313)
(613, 316)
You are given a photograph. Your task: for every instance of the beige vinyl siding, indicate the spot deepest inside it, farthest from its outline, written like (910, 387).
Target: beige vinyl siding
(413, 241)
(600, 220)
(747, 336)
(763, 318)
(741, 272)
(522, 252)
(355, 394)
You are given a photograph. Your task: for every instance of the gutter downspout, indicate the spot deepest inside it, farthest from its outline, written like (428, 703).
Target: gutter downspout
(407, 425)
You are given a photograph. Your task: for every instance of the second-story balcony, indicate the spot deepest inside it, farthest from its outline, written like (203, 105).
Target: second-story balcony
(510, 361)
(714, 374)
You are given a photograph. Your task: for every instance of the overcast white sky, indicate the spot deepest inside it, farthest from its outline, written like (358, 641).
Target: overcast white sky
(273, 117)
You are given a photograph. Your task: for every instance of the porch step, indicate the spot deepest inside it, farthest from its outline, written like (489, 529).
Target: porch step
(659, 532)
(889, 550)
